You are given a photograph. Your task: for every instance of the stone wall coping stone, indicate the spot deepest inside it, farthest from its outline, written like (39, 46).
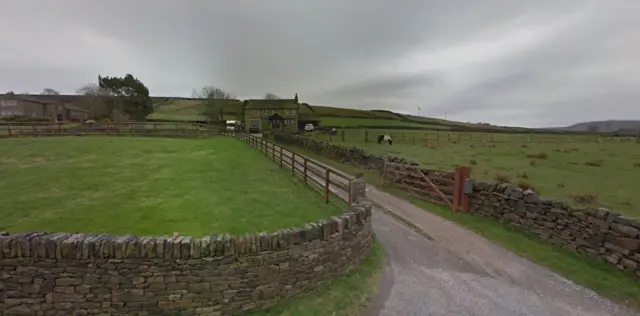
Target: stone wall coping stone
(105, 246)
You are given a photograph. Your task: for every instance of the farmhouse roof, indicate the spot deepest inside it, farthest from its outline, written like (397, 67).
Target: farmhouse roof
(75, 108)
(36, 100)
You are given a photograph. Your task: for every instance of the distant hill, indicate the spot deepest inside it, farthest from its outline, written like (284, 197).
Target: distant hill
(601, 126)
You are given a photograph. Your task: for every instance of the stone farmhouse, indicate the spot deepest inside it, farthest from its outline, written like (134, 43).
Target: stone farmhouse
(287, 115)
(41, 108)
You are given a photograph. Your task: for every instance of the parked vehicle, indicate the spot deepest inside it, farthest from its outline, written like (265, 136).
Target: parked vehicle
(309, 128)
(232, 125)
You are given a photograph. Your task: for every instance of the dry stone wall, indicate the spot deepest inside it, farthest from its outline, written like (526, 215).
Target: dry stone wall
(351, 155)
(82, 274)
(594, 231)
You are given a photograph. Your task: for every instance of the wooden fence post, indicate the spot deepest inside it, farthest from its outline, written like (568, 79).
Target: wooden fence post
(273, 152)
(9, 128)
(280, 157)
(342, 135)
(366, 136)
(293, 163)
(305, 169)
(327, 175)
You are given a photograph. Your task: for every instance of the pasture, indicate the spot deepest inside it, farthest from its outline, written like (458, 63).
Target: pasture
(148, 186)
(584, 173)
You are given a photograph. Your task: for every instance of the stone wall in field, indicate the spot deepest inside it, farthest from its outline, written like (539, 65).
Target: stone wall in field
(351, 155)
(82, 274)
(597, 232)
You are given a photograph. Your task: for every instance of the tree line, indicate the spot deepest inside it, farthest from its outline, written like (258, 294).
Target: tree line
(113, 97)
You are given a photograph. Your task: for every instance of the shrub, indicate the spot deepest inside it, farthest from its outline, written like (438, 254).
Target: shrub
(594, 163)
(522, 175)
(537, 156)
(637, 164)
(473, 162)
(532, 163)
(524, 146)
(502, 177)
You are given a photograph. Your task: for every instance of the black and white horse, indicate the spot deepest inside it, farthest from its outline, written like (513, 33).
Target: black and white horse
(385, 139)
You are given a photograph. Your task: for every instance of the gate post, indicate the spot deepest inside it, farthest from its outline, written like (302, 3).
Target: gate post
(357, 189)
(460, 199)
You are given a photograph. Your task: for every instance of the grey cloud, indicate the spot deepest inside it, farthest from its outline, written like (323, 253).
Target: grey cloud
(343, 52)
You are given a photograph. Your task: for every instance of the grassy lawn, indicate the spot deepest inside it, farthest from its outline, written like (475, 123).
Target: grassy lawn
(349, 295)
(148, 187)
(602, 173)
(590, 272)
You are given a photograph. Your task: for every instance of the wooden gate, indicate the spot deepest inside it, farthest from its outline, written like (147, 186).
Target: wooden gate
(443, 187)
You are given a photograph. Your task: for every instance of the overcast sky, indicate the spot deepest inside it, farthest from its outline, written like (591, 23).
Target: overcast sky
(530, 63)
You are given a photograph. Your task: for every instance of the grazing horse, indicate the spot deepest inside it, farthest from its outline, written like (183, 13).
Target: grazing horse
(385, 139)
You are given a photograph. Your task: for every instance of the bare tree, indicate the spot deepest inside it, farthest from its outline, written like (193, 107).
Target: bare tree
(49, 91)
(98, 100)
(214, 101)
(271, 96)
(93, 89)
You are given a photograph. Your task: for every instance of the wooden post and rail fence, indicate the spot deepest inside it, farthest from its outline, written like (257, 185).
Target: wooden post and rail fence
(319, 176)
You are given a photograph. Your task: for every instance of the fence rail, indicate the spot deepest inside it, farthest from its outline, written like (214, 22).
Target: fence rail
(436, 137)
(328, 181)
(158, 129)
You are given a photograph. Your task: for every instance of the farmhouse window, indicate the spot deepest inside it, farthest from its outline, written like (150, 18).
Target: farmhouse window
(290, 111)
(268, 112)
(9, 102)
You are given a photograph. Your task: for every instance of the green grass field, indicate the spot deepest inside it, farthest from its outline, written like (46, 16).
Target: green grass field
(593, 174)
(148, 187)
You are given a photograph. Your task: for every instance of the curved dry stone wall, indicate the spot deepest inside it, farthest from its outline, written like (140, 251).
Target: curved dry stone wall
(597, 232)
(352, 155)
(82, 274)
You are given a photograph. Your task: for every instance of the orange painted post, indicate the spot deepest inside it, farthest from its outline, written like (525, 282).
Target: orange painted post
(327, 175)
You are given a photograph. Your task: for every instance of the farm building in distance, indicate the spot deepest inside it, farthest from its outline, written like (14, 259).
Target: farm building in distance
(42, 108)
(261, 115)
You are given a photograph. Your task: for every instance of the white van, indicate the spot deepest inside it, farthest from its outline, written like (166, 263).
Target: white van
(308, 128)
(232, 125)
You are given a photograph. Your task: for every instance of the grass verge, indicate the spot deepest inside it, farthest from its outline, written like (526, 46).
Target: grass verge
(348, 295)
(148, 186)
(587, 271)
